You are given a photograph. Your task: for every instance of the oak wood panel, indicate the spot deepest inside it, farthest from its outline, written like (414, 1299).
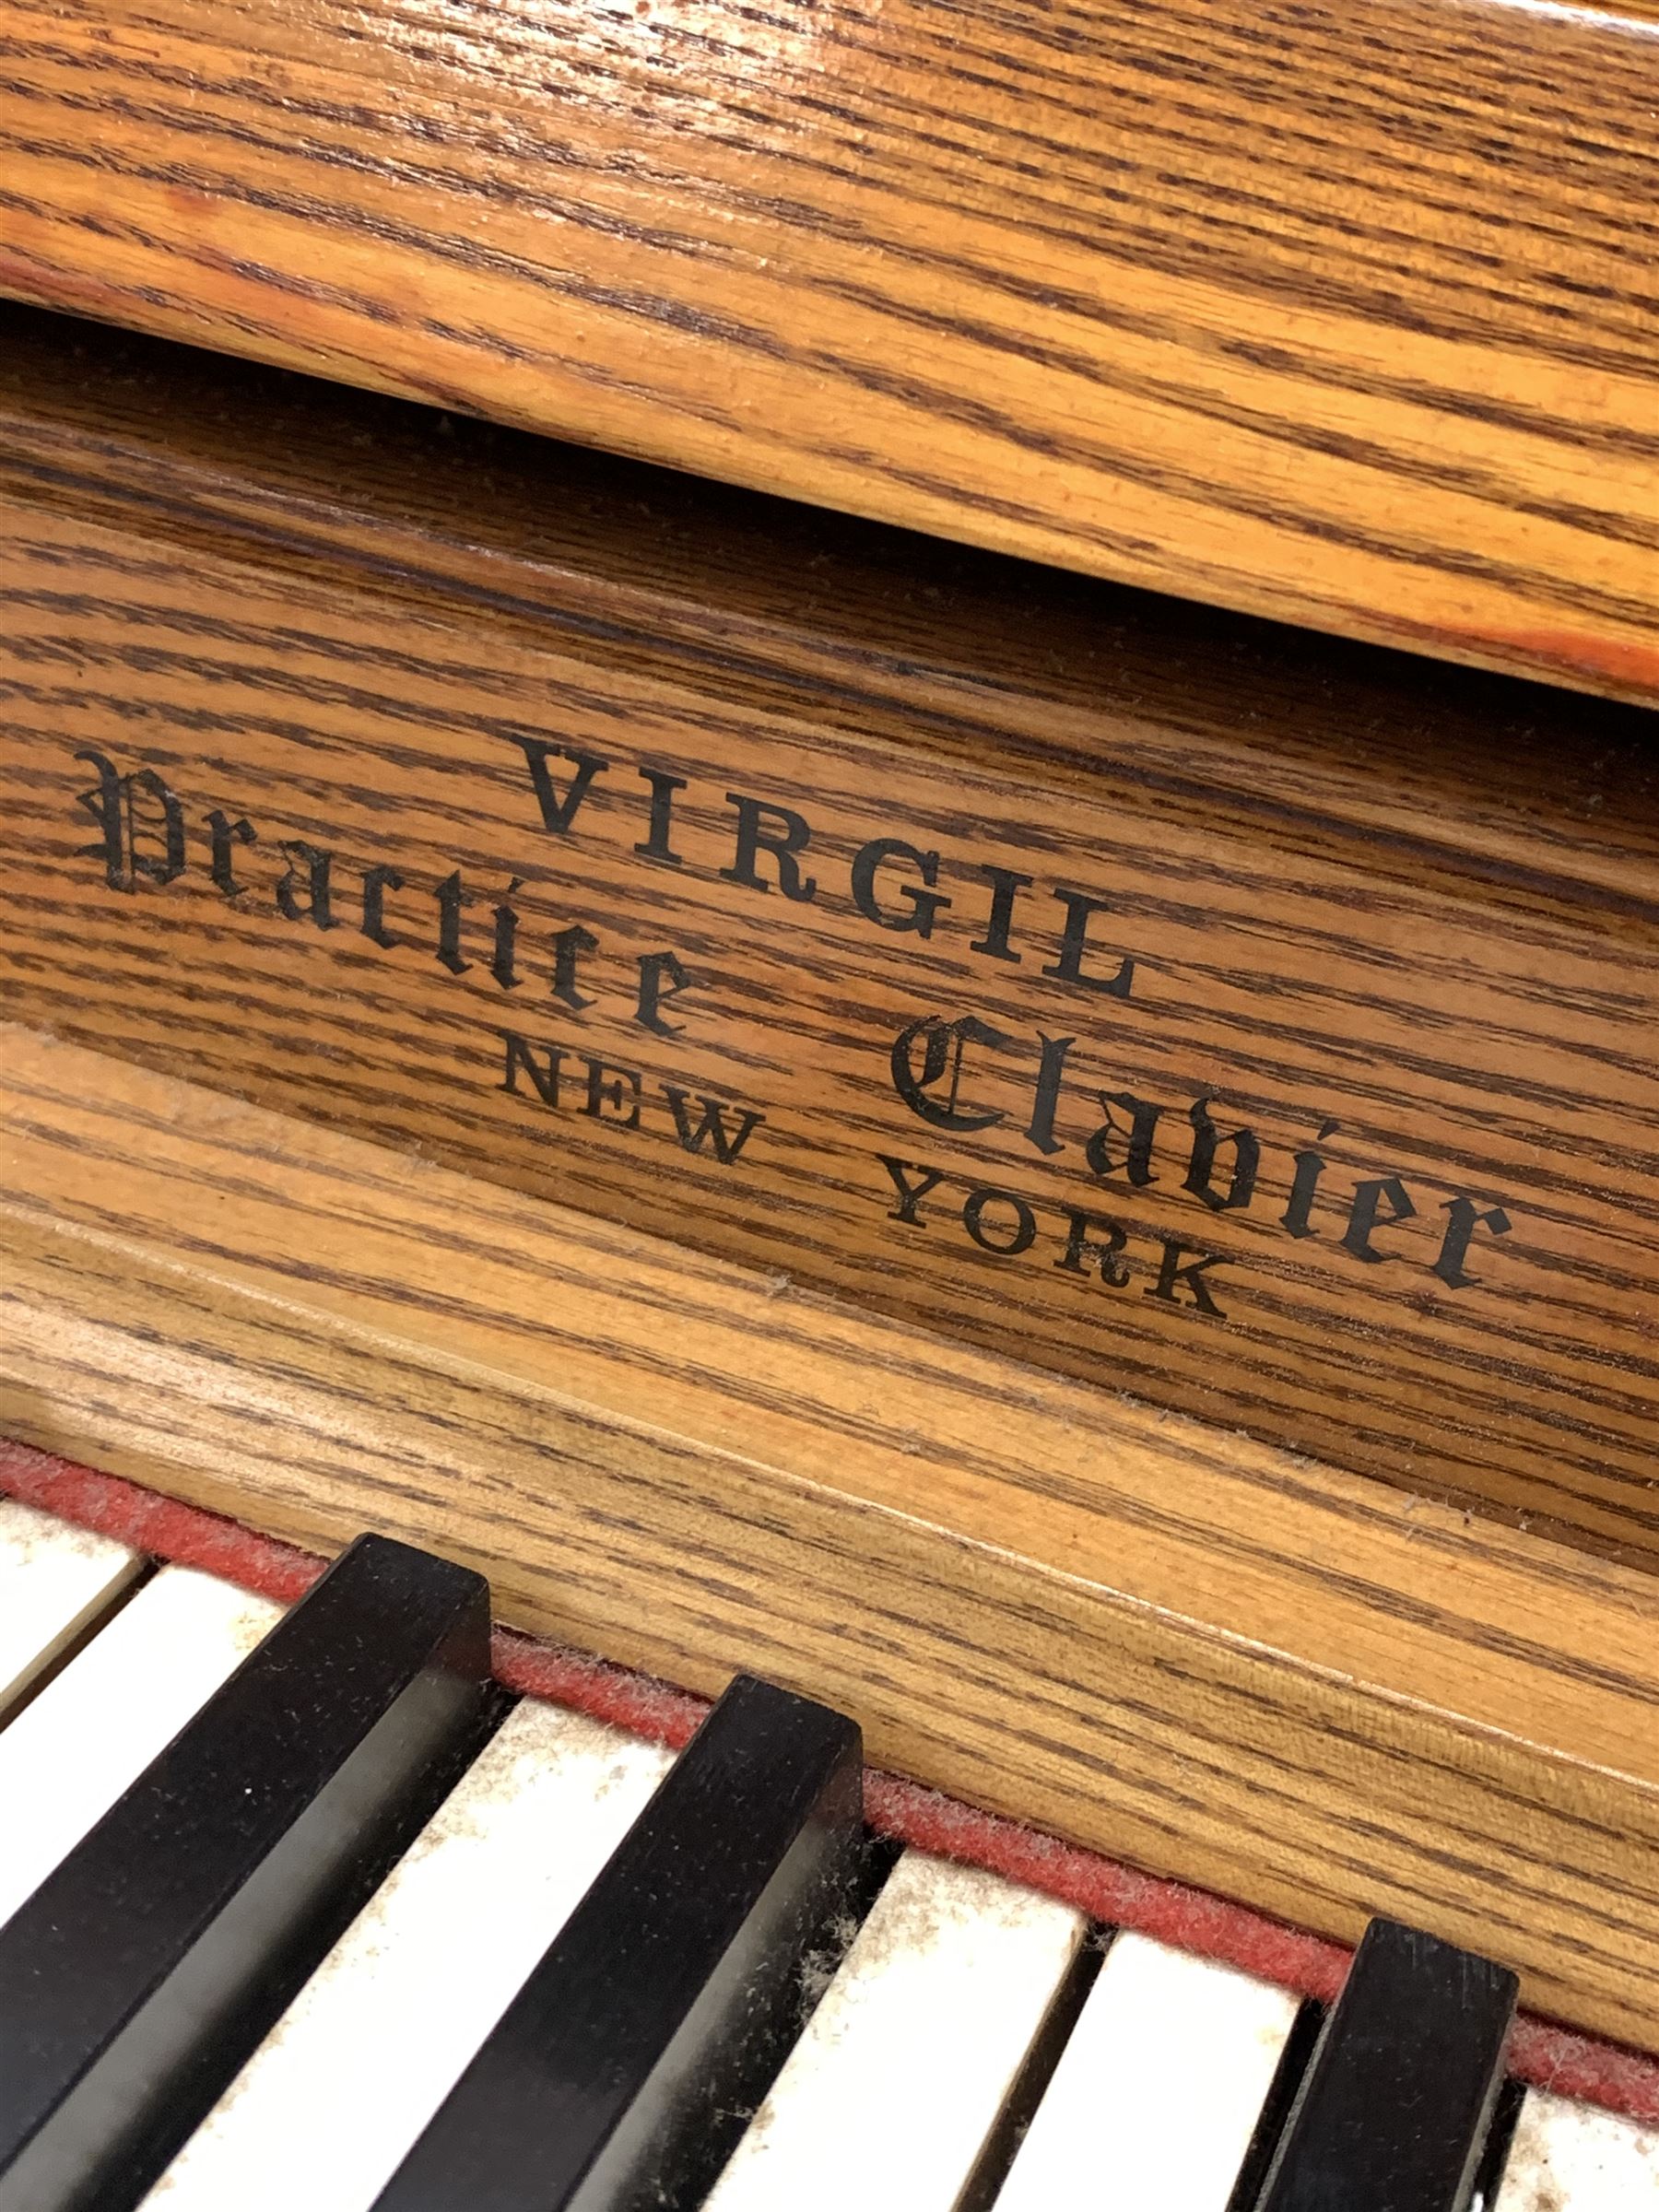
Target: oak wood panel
(1414, 903)
(1283, 1682)
(1342, 312)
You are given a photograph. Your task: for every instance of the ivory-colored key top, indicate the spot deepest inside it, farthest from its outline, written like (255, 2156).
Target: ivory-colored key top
(1158, 2093)
(91, 1732)
(902, 2070)
(54, 1581)
(329, 2104)
(1571, 2157)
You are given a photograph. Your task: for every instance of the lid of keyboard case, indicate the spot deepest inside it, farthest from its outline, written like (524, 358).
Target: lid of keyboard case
(1339, 314)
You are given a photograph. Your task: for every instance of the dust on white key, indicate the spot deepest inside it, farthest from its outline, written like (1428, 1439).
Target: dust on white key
(906, 2063)
(1572, 2158)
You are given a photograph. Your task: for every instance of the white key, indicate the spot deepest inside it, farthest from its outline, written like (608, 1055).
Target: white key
(324, 2113)
(93, 1730)
(1570, 2158)
(54, 1581)
(888, 2099)
(1157, 2092)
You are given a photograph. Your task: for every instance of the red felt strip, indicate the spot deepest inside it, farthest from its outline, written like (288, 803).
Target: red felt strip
(110, 1507)
(1540, 2054)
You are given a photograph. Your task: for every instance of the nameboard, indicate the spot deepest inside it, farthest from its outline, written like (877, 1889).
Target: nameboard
(1246, 1024)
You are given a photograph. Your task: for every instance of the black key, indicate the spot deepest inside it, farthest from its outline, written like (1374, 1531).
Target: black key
(1277, 2106)
(145, 1968)
(1397, 2098)
(624, 2071)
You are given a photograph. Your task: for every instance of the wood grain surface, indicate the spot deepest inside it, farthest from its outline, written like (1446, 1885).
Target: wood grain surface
(1342, 312)
(1285, 1683)
(1380, 916)
(1398, 921)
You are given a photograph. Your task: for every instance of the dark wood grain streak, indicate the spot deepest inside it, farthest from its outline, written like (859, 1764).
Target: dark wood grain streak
(1416, 902)
(1342, 314)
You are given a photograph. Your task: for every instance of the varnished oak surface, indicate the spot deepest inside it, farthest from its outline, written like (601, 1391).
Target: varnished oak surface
(1342, 312)
(1221, 1662)
(1396, 919)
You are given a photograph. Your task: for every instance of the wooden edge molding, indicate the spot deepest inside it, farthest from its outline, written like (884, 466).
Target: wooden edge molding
(1210, 1659)
(1540, 2053)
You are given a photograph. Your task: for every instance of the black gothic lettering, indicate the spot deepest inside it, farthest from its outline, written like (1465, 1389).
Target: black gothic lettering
(521, 1061)
(1137, 1162)
(107, 806)
(1310, 1167)
(909, 1194)
(501, 964)
(1365, 1215)
(558, 814)
(942, 1042)
(1068, 966)
(1207, 1141)
(655, 845)
(1176, 1274)
(1009, 1238)
(613, 1094)
(1464, 1218)
(1091, 1239)
(1040, 1130)
(569, 945)
(754, 838)
(116, 807)
(661, 977)
(227, 835)
(1006, 885)
(377, 882)
(725, 1144)
(305, 891)
(451, 895)
(919, 908)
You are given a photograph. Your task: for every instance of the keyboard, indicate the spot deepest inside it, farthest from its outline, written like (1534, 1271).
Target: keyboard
(298, 1908)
